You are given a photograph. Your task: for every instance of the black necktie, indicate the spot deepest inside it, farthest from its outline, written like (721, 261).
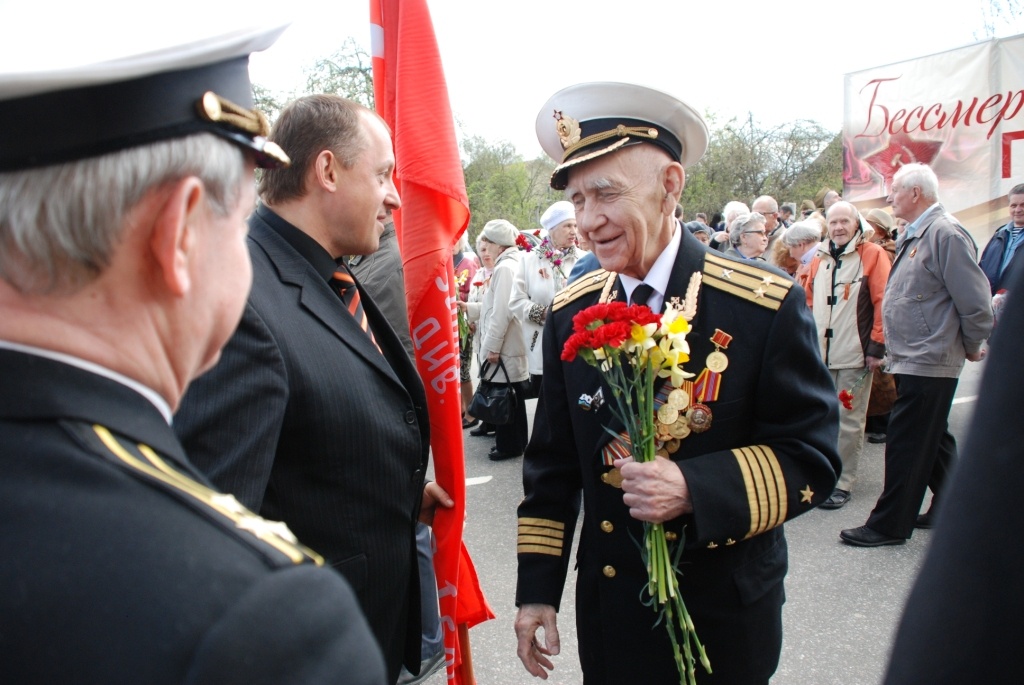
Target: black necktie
(641, 294)
(349, 293)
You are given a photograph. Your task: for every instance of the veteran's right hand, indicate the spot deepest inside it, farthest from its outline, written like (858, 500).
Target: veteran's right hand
(532, 653)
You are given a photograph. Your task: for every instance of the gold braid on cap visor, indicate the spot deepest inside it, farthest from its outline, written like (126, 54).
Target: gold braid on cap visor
(619, 131)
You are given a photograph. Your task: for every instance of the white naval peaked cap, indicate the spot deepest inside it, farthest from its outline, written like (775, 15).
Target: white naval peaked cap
(110, 75)
(588, 120)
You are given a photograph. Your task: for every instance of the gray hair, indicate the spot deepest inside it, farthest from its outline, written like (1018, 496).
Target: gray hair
(60, 224)
(843, 204)
(742, 223)
(732, 210)
(800, 233)
(921, 176)
(765, 203)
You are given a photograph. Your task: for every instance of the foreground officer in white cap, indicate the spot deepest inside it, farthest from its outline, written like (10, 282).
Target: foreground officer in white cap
(124, 188)
(769, 453)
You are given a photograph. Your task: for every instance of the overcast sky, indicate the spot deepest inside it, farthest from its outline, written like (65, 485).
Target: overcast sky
(782, 60)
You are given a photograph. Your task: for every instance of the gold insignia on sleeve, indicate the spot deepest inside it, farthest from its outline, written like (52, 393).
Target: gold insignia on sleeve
(747, 281)
(540, 536)
(806, 494)
(766, 487)
(591, 282)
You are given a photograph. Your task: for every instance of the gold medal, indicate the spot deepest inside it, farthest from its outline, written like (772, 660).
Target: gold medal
(667, 414)
(678, 399)
(672, 446)
(612, 478)
(680, 429)
(717, 361)
(662, 453)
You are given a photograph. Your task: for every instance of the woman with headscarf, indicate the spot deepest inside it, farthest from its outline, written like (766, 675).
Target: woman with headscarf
(501, 335)
(544, 270)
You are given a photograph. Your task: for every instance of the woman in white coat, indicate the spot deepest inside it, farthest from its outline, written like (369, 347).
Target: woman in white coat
(501, 335)
(543, 272)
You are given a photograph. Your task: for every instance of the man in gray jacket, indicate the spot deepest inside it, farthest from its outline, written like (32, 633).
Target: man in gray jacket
(936, 313)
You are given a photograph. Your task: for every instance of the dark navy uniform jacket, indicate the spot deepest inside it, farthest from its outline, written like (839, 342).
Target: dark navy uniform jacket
(121, 565)
(769, 455)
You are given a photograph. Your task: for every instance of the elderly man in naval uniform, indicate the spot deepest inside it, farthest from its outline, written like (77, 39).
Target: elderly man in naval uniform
(758, 443)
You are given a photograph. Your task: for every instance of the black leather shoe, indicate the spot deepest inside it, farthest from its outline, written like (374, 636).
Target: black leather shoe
(483, 429)
(469, 424)
(837, 499)
(495, 455)
(865, 537)
(923, 521)
(876, 438)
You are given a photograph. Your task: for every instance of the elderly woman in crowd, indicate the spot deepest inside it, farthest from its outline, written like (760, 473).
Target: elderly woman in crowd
(501, 335)
(802, 239)
(544, 271)
(881, 221)
(465, 265)
(732, 209)
(748, 236)
(471, 306)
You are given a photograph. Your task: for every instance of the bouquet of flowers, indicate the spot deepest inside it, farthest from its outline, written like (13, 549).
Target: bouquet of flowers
(548, 251)
(846, 395)
(631, 345)
(460, 280)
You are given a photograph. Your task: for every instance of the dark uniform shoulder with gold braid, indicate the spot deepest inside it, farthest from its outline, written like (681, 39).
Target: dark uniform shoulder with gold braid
(587, 283)
(746, 280)
(272, 539)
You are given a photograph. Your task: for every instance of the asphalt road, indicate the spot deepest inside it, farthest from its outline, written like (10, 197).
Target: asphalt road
(843, 603)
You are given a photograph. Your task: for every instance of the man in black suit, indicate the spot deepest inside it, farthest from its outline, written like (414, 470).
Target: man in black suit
(315, 414)
(754, 444)
(123, 271)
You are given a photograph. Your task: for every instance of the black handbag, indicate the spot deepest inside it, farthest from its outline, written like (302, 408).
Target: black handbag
(493, 402)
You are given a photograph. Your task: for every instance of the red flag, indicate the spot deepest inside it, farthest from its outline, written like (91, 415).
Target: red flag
(411, 95)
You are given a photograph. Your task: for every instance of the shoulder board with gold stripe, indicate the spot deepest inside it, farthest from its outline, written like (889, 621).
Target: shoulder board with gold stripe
(747, 281)
(144, 460)
(587, 283)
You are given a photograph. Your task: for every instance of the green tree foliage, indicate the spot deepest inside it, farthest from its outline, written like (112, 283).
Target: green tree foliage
(266, 101)
(347, 72)
(745, 160)
(501, 185)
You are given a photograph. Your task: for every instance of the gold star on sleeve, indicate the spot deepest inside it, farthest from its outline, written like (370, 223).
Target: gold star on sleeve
(807, 494)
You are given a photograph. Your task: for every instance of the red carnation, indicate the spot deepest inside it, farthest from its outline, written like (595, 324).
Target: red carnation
(846, 398)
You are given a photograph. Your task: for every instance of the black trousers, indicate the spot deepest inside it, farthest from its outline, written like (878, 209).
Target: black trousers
(919, 453)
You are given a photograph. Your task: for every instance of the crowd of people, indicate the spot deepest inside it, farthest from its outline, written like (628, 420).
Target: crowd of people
(215, 429)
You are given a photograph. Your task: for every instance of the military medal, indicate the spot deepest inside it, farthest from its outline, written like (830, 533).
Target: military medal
(667, 415)
(705, 388)
(717, 361)
(699, 417)
(678, 399)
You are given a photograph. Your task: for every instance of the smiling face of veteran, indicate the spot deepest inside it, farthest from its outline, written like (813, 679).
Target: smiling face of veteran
(625, 203)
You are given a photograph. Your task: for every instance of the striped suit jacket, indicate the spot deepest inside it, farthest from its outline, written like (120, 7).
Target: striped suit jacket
(305, 421)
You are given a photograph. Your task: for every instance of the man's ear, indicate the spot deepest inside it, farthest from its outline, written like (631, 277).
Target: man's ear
(173, 238)
(673, 178)
(325, 171)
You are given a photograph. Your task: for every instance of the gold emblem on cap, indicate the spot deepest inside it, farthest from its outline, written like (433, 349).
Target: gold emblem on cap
(213, 107)
(568, 129)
